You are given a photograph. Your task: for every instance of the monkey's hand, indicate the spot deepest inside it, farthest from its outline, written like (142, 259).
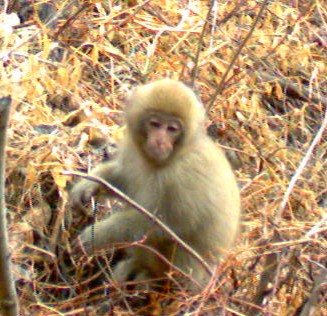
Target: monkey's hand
(81, 194)
(86, 240)
(91, 241)
(79, 247)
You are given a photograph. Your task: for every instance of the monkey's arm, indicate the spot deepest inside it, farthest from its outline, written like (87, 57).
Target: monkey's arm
(121, 227)
(85, 189)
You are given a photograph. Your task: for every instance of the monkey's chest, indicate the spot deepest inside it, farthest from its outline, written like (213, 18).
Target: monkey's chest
(154, 193)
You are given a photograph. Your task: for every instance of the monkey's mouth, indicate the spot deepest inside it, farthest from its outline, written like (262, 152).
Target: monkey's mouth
(158, 154)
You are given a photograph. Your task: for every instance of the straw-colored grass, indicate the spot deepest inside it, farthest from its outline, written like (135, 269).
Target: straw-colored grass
(68, 83)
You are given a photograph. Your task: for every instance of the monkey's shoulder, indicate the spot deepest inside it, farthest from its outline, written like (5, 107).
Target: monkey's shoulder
(204, 155)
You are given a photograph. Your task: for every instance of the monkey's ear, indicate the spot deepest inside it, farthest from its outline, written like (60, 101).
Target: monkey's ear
(129, 96)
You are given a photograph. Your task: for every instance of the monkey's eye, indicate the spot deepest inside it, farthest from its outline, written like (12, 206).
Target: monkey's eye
(173, 128)
(154, 124)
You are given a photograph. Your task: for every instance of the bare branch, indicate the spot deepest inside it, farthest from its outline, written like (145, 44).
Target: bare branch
(221, 85)
(8, 296)
(196, 61)
(302, 165)
(146, 213)
(310, 306)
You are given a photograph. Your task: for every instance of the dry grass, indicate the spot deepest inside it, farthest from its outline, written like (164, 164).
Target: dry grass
(68, 83)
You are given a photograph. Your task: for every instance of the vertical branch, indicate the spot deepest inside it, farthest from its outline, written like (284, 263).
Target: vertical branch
(8, 296)
(222, 82)
(318, 137)
(197, 56)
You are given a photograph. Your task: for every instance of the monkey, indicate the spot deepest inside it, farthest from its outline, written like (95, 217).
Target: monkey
(169, 165)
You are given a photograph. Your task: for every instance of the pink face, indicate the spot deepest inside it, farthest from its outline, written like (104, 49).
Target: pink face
(162, 133)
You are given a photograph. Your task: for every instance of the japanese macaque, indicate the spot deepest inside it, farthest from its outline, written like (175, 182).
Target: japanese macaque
(169, 165)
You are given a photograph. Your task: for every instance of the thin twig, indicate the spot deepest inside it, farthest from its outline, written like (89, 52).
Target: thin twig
(310, 306)
(73, 18)
(301, 167)
(222, 82)
(7, 54)
(301, 93)
(166, 261)
(146, 213)
(197, 56)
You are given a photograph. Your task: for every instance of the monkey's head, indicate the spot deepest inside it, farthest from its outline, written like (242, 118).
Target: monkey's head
(161, 116)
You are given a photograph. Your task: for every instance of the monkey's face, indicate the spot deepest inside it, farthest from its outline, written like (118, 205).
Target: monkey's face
(161, 134)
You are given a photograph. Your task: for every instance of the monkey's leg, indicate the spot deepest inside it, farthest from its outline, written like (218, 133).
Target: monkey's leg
(133, 270)
(124, 270)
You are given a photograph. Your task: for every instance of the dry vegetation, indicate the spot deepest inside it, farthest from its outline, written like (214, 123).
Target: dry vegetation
(68, 78)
